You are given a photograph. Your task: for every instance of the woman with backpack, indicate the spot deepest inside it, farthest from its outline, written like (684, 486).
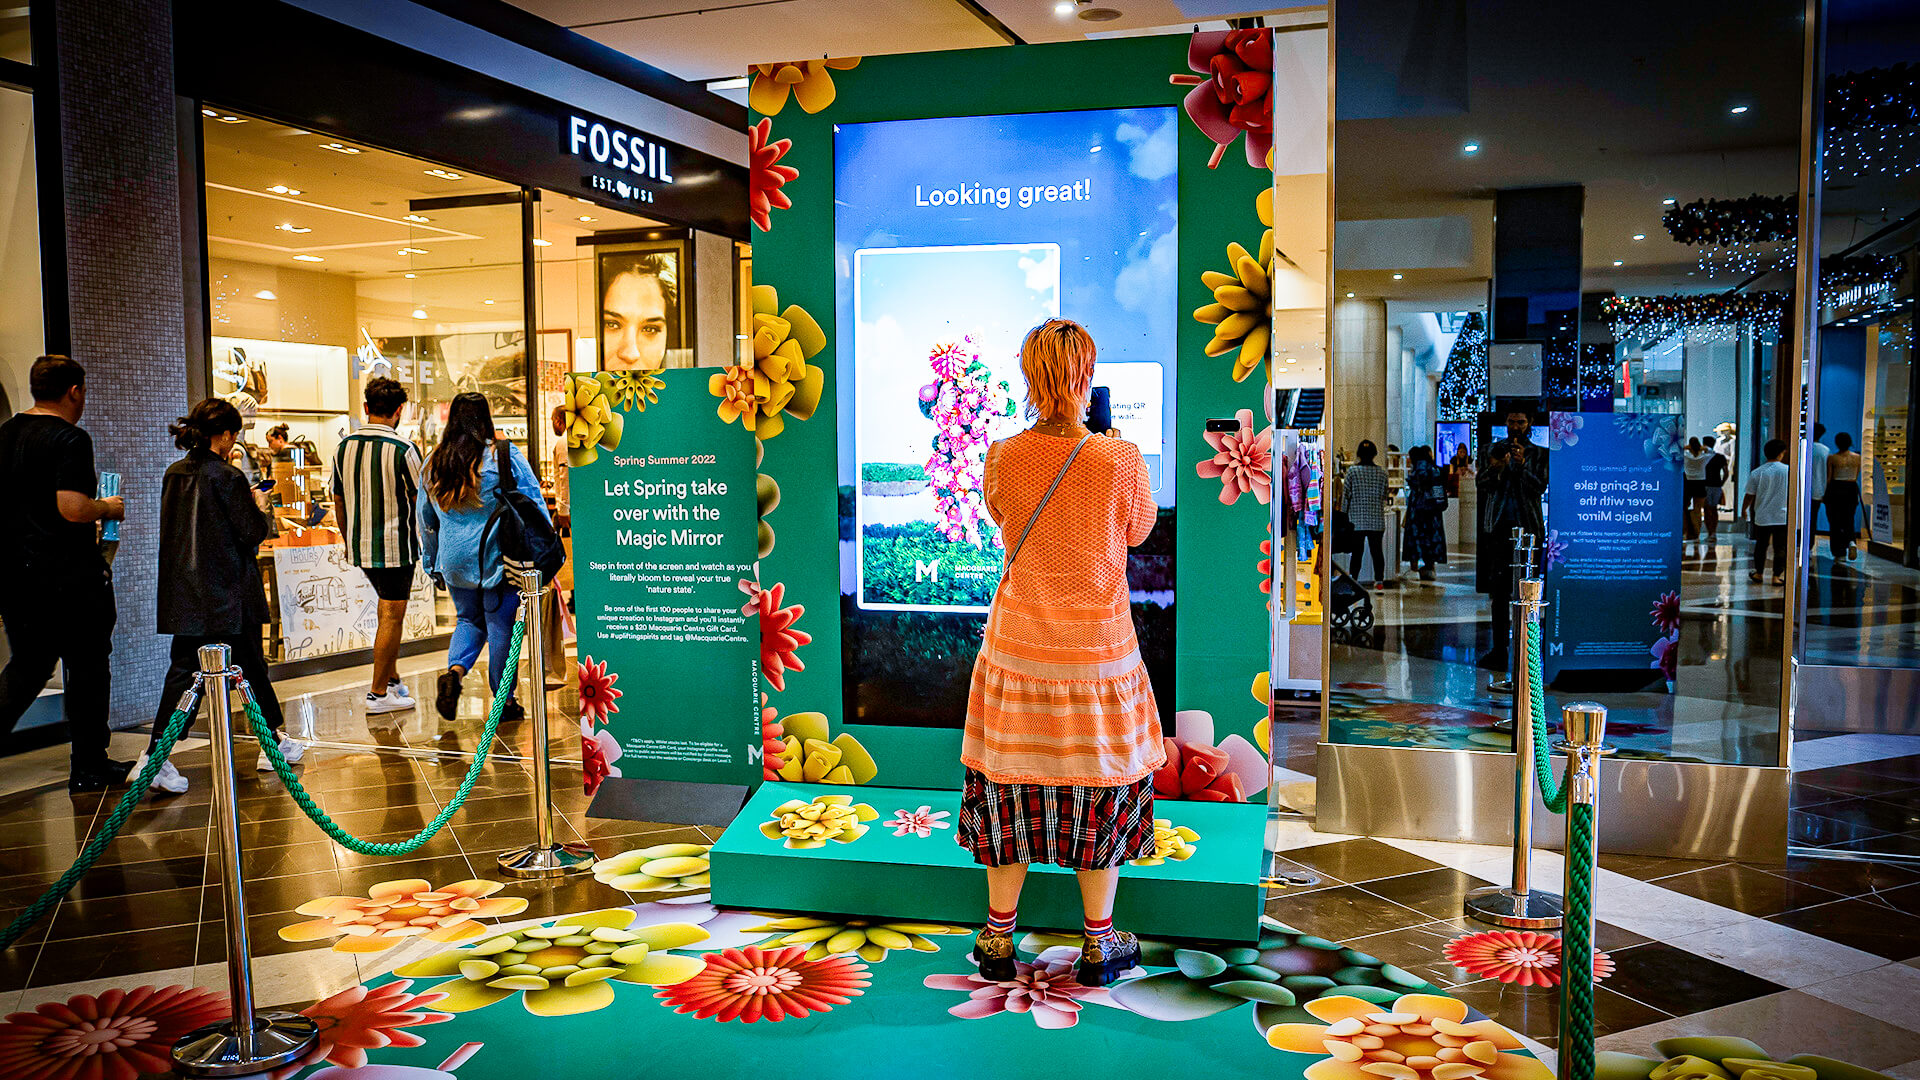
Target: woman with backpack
(1426, 512)
(462, 492)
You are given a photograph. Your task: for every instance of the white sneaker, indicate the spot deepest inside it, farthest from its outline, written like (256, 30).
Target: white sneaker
(396, 688)
(290, 748)
(387, 702)
(168, 780)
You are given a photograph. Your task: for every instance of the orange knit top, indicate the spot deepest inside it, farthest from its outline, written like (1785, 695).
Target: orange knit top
(1060, 695)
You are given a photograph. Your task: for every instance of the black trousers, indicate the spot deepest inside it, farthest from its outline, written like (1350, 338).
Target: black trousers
(60, 620)
(1775, 535)
(1365, 540)
(186, 660)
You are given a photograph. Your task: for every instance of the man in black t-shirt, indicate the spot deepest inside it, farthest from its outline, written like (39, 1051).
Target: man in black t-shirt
(57, 602)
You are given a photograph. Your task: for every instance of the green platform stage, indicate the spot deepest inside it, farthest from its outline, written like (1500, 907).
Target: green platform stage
(1214, 893)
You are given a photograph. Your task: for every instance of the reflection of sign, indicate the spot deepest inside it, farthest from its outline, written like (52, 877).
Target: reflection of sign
(1513, 369)
(328, 606)
(1880, 521)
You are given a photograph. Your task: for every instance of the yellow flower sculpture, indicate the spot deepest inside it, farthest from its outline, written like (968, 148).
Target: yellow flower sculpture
(1420, 1037)
(563, 967)
(394, 911)
(1169, 842)
(660, 868)
(809, 81)
(1263, 729)
(811, 758)
(811, 824)
(1242, 310)
(633, 389)
(783, 382)
(589, 418)
(864, 938)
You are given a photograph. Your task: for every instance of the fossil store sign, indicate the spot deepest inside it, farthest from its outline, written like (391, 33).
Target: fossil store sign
(638, 162)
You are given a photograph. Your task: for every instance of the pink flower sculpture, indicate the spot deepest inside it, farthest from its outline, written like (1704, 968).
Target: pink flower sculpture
(119, 1035)
(598, 752)
(1563, 429)
(1666, 657)
(751, 984)
(1199, 770)
(1233, 90)
(1556, 549)
(1520, 957)
(779, 641)
(1666, 612)
(920, 823)
(358, 1019)
(767, 175)
(597, 692)
(1045, 990)
(1242, 460)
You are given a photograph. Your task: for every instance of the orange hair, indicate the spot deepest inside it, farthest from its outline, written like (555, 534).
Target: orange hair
(1057, 360)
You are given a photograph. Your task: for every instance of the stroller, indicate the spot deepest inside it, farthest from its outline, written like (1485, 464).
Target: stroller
(1352, 609)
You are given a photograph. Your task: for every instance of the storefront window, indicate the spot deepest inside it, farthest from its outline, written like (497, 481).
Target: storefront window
(16, 43)
(22, 319)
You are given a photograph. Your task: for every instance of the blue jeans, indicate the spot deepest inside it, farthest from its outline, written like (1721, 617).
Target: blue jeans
(483, 617)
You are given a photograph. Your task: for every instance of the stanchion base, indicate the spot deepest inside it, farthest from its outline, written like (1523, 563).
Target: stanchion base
(1500, 686)
(279, 1038)
(1534, 910)
(535, 861)
(1502, 727)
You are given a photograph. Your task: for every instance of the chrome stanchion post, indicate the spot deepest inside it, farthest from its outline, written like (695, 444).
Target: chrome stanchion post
(1522, 548)
(1584, 745)
(251, 1042)
(544, 857)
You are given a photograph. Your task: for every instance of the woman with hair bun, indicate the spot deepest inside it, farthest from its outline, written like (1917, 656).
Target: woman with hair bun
(211, 526)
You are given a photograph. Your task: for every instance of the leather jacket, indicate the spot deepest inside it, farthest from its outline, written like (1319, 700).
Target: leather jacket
(210, 532)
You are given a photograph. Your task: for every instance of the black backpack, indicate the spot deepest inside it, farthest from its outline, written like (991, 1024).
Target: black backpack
(524, 533)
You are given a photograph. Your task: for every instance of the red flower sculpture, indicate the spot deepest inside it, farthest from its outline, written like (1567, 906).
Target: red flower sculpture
(773, 745)
(749, 984)
(597, 692)
(1265, 566)
(1522, 957)
(593, 763)
(1200, 773)
(1233, 92)
(118, 1035)
(766, 176)
(1666, 612)
(357, 1020)
(778, 639)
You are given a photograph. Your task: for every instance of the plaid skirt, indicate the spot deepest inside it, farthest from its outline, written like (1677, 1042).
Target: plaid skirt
(1076, 827)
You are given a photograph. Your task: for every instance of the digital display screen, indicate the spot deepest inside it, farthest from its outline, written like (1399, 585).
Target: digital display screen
(953, 237)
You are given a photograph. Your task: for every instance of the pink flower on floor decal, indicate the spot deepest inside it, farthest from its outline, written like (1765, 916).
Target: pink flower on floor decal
(118, 1035)
(752, 984)
(1521, 957)
(359, 1019)
(1418, 1037)
(1242, 460)
(919, 822)
(597, 692)
(1045, 990)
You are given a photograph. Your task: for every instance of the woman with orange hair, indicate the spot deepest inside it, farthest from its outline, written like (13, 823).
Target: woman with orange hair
(1063, 733)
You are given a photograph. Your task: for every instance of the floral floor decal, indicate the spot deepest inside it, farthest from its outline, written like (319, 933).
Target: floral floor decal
(756, 994)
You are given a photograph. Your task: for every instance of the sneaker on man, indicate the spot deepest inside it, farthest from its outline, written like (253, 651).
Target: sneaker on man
(396, 688)
(291, 749)
(168, 780)
(387, 702)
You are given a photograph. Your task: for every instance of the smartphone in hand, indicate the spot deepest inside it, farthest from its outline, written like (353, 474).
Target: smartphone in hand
(1100, 411)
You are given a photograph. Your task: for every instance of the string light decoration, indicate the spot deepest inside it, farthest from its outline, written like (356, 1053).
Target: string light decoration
(1463, 383)
(1873, 123)
(1660, 317)
(1861, 271)
(1742, 236)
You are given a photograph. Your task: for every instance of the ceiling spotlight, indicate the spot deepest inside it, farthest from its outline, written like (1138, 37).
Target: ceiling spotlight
(1639, 236)
(419, 313)
(411, 251)
(1292, 360)
(538, 242)
(265, 294)
(282, 189)
(444, 174)
(588, 217)
(1619, 262)
(1063, 9)
(421, 218)
(1668, 201)
(1396, 277)
(1470, 148)
(1349, 296)
(413, 275)
(1737, 110)
(233, 119)
(339, 148)
(488, 302)
(308, 258)
(209, 112)
(289, 226)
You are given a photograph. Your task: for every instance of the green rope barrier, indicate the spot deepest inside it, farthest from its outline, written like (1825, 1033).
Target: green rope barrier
(271, 745)
(1576, 949)
(1554, 794)
(136, 790)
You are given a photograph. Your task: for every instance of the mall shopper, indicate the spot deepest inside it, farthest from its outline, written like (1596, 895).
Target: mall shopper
(211, 526)
(1766, 508)
(376, 483)
(1817, 453)
(57, 602)
(1715, 477)
(461, 491)
(1426, 512)
(1062, 732)
(1693, 483)
(1842, 498)
(1512, 480)
(1363, 496)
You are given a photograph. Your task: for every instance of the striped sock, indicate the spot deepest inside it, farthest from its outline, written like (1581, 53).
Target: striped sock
(1000, 922)
(1099, 930)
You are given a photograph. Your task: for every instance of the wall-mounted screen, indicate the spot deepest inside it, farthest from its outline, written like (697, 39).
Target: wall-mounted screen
(953, 237)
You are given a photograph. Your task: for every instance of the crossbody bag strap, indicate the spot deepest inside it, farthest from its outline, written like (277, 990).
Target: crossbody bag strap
(1061, 475)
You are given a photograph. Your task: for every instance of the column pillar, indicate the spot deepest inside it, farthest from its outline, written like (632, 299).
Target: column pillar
(1357, 380)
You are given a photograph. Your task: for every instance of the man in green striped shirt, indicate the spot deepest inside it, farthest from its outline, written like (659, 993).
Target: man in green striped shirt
(376, 476)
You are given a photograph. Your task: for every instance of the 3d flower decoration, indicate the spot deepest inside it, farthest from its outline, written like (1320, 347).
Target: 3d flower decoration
(1666, 612)
(1520, 957)
(965, 402)
(1233, 90)
(1170, 841)
(562, 968)
(780, 641)
(802, 825)
(1722, 1057)
(783, 381)
(808, 756)
(1556, 550)
(1563, 429)
(598, 694)
(752, 984)
(766, 176)
(766, 491)
(919, 822)
(598, 752)
(809, 81)
(1199, 770)
(1045, 990)
(773, 744)
(359, 1019)
(1241, 313)
(1241, 460)
(118, 1035)
(1264, 567)
(589, 419)
(659, 868)
(868, 939)
(734, 387)
(394, 911)
(1666, 657)
(633, 389)
(1426, 1036)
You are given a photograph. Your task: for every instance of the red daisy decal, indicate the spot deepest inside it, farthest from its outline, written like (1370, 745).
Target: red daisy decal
(1233, 90)
(597, 692)
(767, 176)
(778, 638)
(1521, 957)
(118, 1035)
(750, 984)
